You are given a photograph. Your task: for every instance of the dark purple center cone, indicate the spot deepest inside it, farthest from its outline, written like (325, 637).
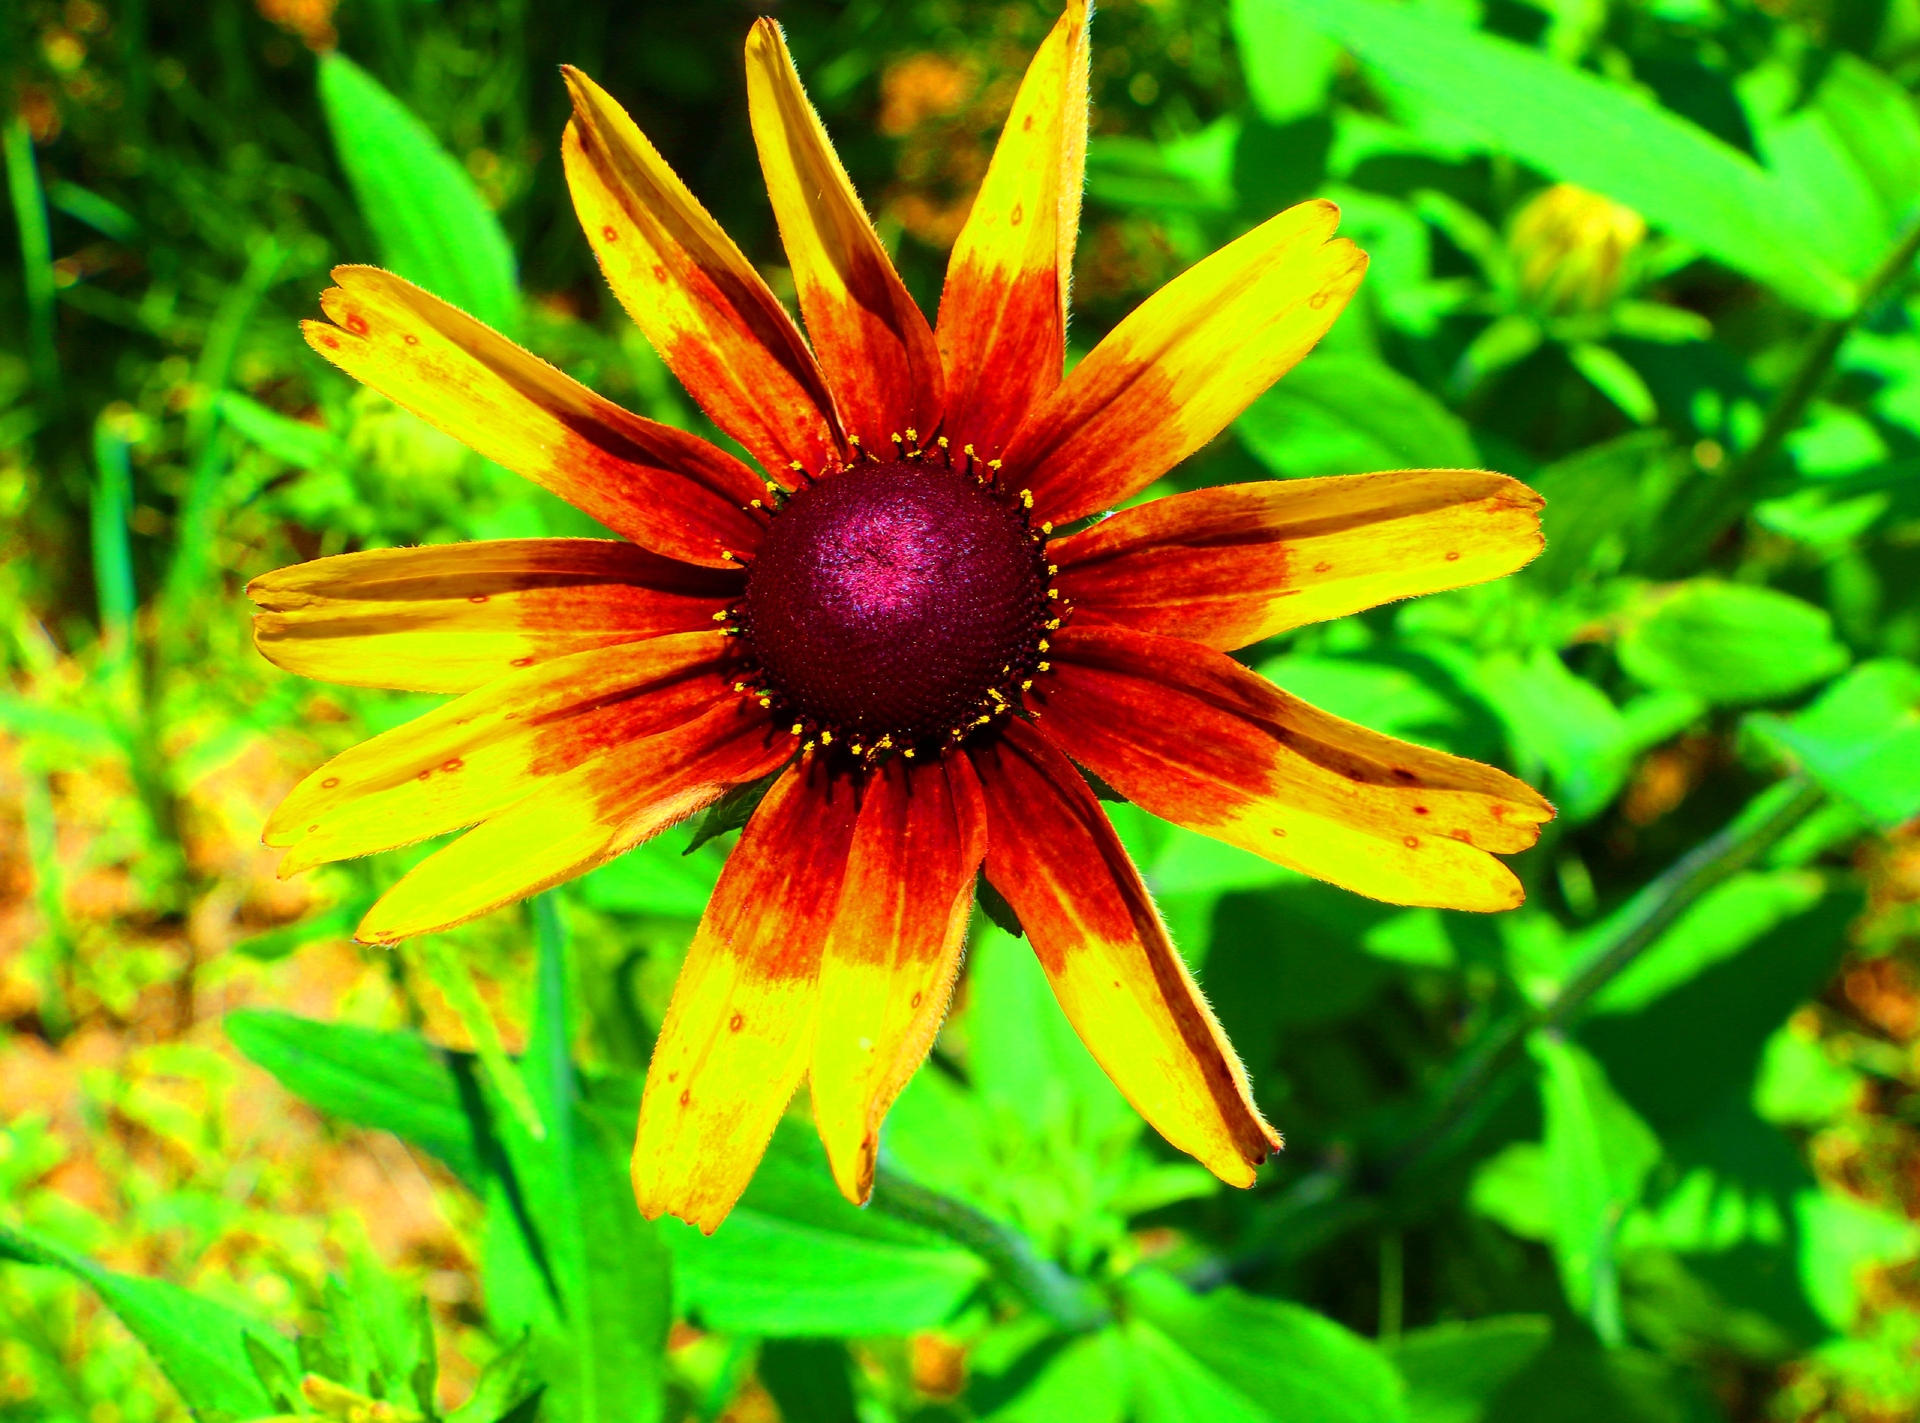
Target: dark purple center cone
(895, 599)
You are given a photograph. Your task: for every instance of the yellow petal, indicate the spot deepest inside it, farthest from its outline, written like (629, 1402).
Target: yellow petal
(1192, 736)
(737, 1034)
(874, 344)
(890, 958)
(693, 292)
(1003, 314)
(1229, 566)
(450, 617)
(1192, 356)
(578, 820)
(663, 488)
(1119, 980)
(493, 747)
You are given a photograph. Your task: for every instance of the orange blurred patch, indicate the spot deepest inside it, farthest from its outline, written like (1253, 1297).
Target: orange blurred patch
(939, 1366)
(922, 87)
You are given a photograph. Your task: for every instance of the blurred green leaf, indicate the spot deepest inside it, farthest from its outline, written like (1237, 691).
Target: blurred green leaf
(1860, 739)
(1453, 1371)
(1563, 725)
(1227, 1355)
(201, 1347)
(1583, 130)
(388, 1081)
(297, 443)
(430, 221)
(1349, 414)
(1598, 1156)
(1288, 62)
(659, 878)
(1730, 643)
(1799, 1084)
(1085, 1380)
(1840, 1238)
(794, 1260)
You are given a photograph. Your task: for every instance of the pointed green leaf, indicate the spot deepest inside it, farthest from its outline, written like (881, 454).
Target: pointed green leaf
(430, 221)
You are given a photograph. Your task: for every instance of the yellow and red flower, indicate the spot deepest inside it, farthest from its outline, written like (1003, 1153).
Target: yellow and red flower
(902, 616)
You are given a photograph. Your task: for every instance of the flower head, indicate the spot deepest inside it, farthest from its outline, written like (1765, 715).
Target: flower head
(899, 617)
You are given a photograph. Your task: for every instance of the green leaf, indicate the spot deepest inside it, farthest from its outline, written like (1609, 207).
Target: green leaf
(1227, 1355)
(1511, 1187)
(1453, 1371)
(1602, 502)
(796, 1260)
(606, 1358)
(388, 1081)
(1566, 727)
(335, 923)
(1839, 1239)
(430, 221)
(1084, 1380)
(659, 878)
(1610, 374)
(1287, 62)
(1579, 128)
(1799, 1084)
(1598, 1157)
(1349, 414)
(293, 441)
(202, 1347)
(732, 811)
(1860, 739)
(1730, 643)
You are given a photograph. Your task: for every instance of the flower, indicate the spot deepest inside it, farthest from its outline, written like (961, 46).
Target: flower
(901, 621)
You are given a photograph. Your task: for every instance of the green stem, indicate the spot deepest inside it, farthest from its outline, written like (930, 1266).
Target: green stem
(36, 252)
(1711, 504)
(1043, 1284)
(1630, 932)
(449, 974)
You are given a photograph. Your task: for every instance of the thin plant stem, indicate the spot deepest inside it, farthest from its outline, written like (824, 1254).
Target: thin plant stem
(1630, 932)
(1710, 505)
(1065, 1301)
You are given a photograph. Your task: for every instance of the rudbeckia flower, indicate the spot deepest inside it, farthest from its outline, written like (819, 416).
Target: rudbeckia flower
(910, 614)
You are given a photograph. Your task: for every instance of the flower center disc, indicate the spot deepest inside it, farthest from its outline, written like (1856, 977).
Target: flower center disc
(896, 599)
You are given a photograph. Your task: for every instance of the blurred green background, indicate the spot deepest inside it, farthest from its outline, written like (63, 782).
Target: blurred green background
(1647, 1149)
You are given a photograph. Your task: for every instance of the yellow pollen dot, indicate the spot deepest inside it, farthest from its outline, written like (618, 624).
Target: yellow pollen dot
(1045, 666)
(826, 738)
(758, 505)
(941, 442)
(908, 753)
(1053, 592)
(796, 466)
(993, 464)
(913, 434)
(795, 728)
(1052, 623)
(1027, 685)
(1026, 498)
(896, 437)
(739, 686)
(766, 701)
(1052, 568)
(856, 748)
(967, 450)
(807, 747)
(982, 720)
(1045, 527)
(1044, 644)
(720, 616)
